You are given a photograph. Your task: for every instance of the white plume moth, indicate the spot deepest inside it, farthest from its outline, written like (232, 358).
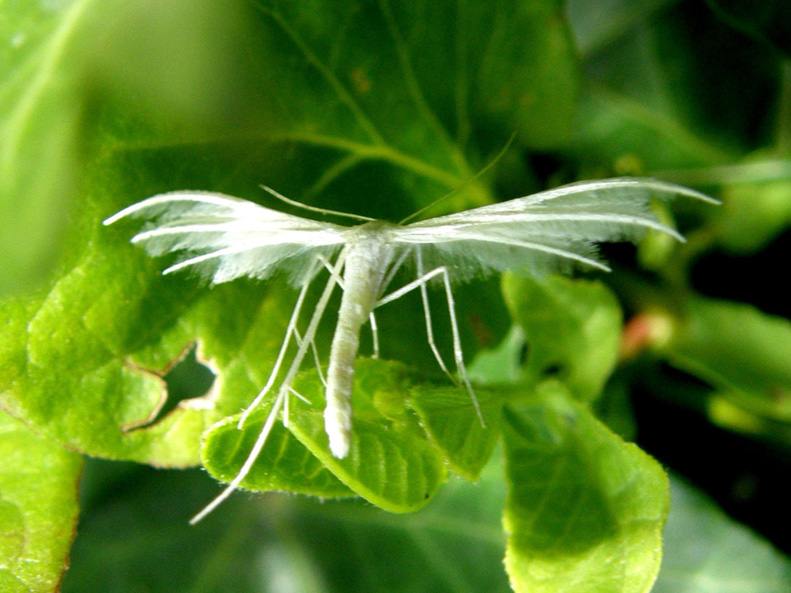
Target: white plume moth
(222, 238)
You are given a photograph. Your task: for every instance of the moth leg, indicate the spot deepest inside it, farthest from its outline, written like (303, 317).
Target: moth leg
(457, 352)
(334, 272)
(395, 267)
(375, 334)
(420, 283)
(316, 358)
(385, 282)
(458, 355)
(290, 329)
(427, 311)
(248, 463)
(299, 396)
(296, 393)
(310, 332)
(308, 339)
(317, 362)
(282, 393)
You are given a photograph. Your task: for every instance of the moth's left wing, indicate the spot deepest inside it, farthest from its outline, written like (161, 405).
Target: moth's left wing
(221, 237)
(550, 230)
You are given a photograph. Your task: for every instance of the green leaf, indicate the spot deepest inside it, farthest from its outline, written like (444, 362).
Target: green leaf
(455, 544)
(707, 552)
(38, 508)
(572, 327)
(542, 99)
(391, 462)
(39, 129)
(742, 352)
(753, 213)
(90, 366)
(256, 543)
(73, 381)
(448, 416)
(631, 137)
(351, 112)
(284, 464)
(54, 87)
(653, 100)
(585, 510)
(769, 22)
(595, 25)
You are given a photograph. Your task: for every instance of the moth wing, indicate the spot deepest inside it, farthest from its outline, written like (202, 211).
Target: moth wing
(553, 230)
(221, 238)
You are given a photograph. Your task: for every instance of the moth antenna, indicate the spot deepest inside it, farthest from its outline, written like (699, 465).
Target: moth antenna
(488, 166)
(316, 209)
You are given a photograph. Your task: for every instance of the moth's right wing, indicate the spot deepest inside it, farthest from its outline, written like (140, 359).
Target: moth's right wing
(552, 230)
(221, 238)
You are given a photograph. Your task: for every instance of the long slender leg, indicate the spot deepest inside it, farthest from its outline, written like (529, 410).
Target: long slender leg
(395, 267)
(457, 352)
(316, 361)
(375, 334)
(334, 272)
(316, 358)
(248, 463)
(409, 287)
(310, 332)
(290, 329)
(427, 311)
(386, 282)
(282, 394)
(458, 355)
(298, 395)
(420, 283)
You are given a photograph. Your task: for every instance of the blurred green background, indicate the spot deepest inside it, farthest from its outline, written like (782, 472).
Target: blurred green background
(693, 92)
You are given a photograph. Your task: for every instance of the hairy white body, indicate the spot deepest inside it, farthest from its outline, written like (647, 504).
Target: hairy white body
(223, 238)
(370, 257)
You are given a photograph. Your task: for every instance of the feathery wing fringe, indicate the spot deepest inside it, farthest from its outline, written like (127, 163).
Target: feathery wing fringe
(548, 231)
(222, 237)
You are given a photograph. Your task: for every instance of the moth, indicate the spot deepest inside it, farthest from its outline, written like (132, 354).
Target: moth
(221, 238)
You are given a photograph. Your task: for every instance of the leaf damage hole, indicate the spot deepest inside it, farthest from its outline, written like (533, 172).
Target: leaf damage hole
(554, 369)
(524, 353)
(188, 378)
